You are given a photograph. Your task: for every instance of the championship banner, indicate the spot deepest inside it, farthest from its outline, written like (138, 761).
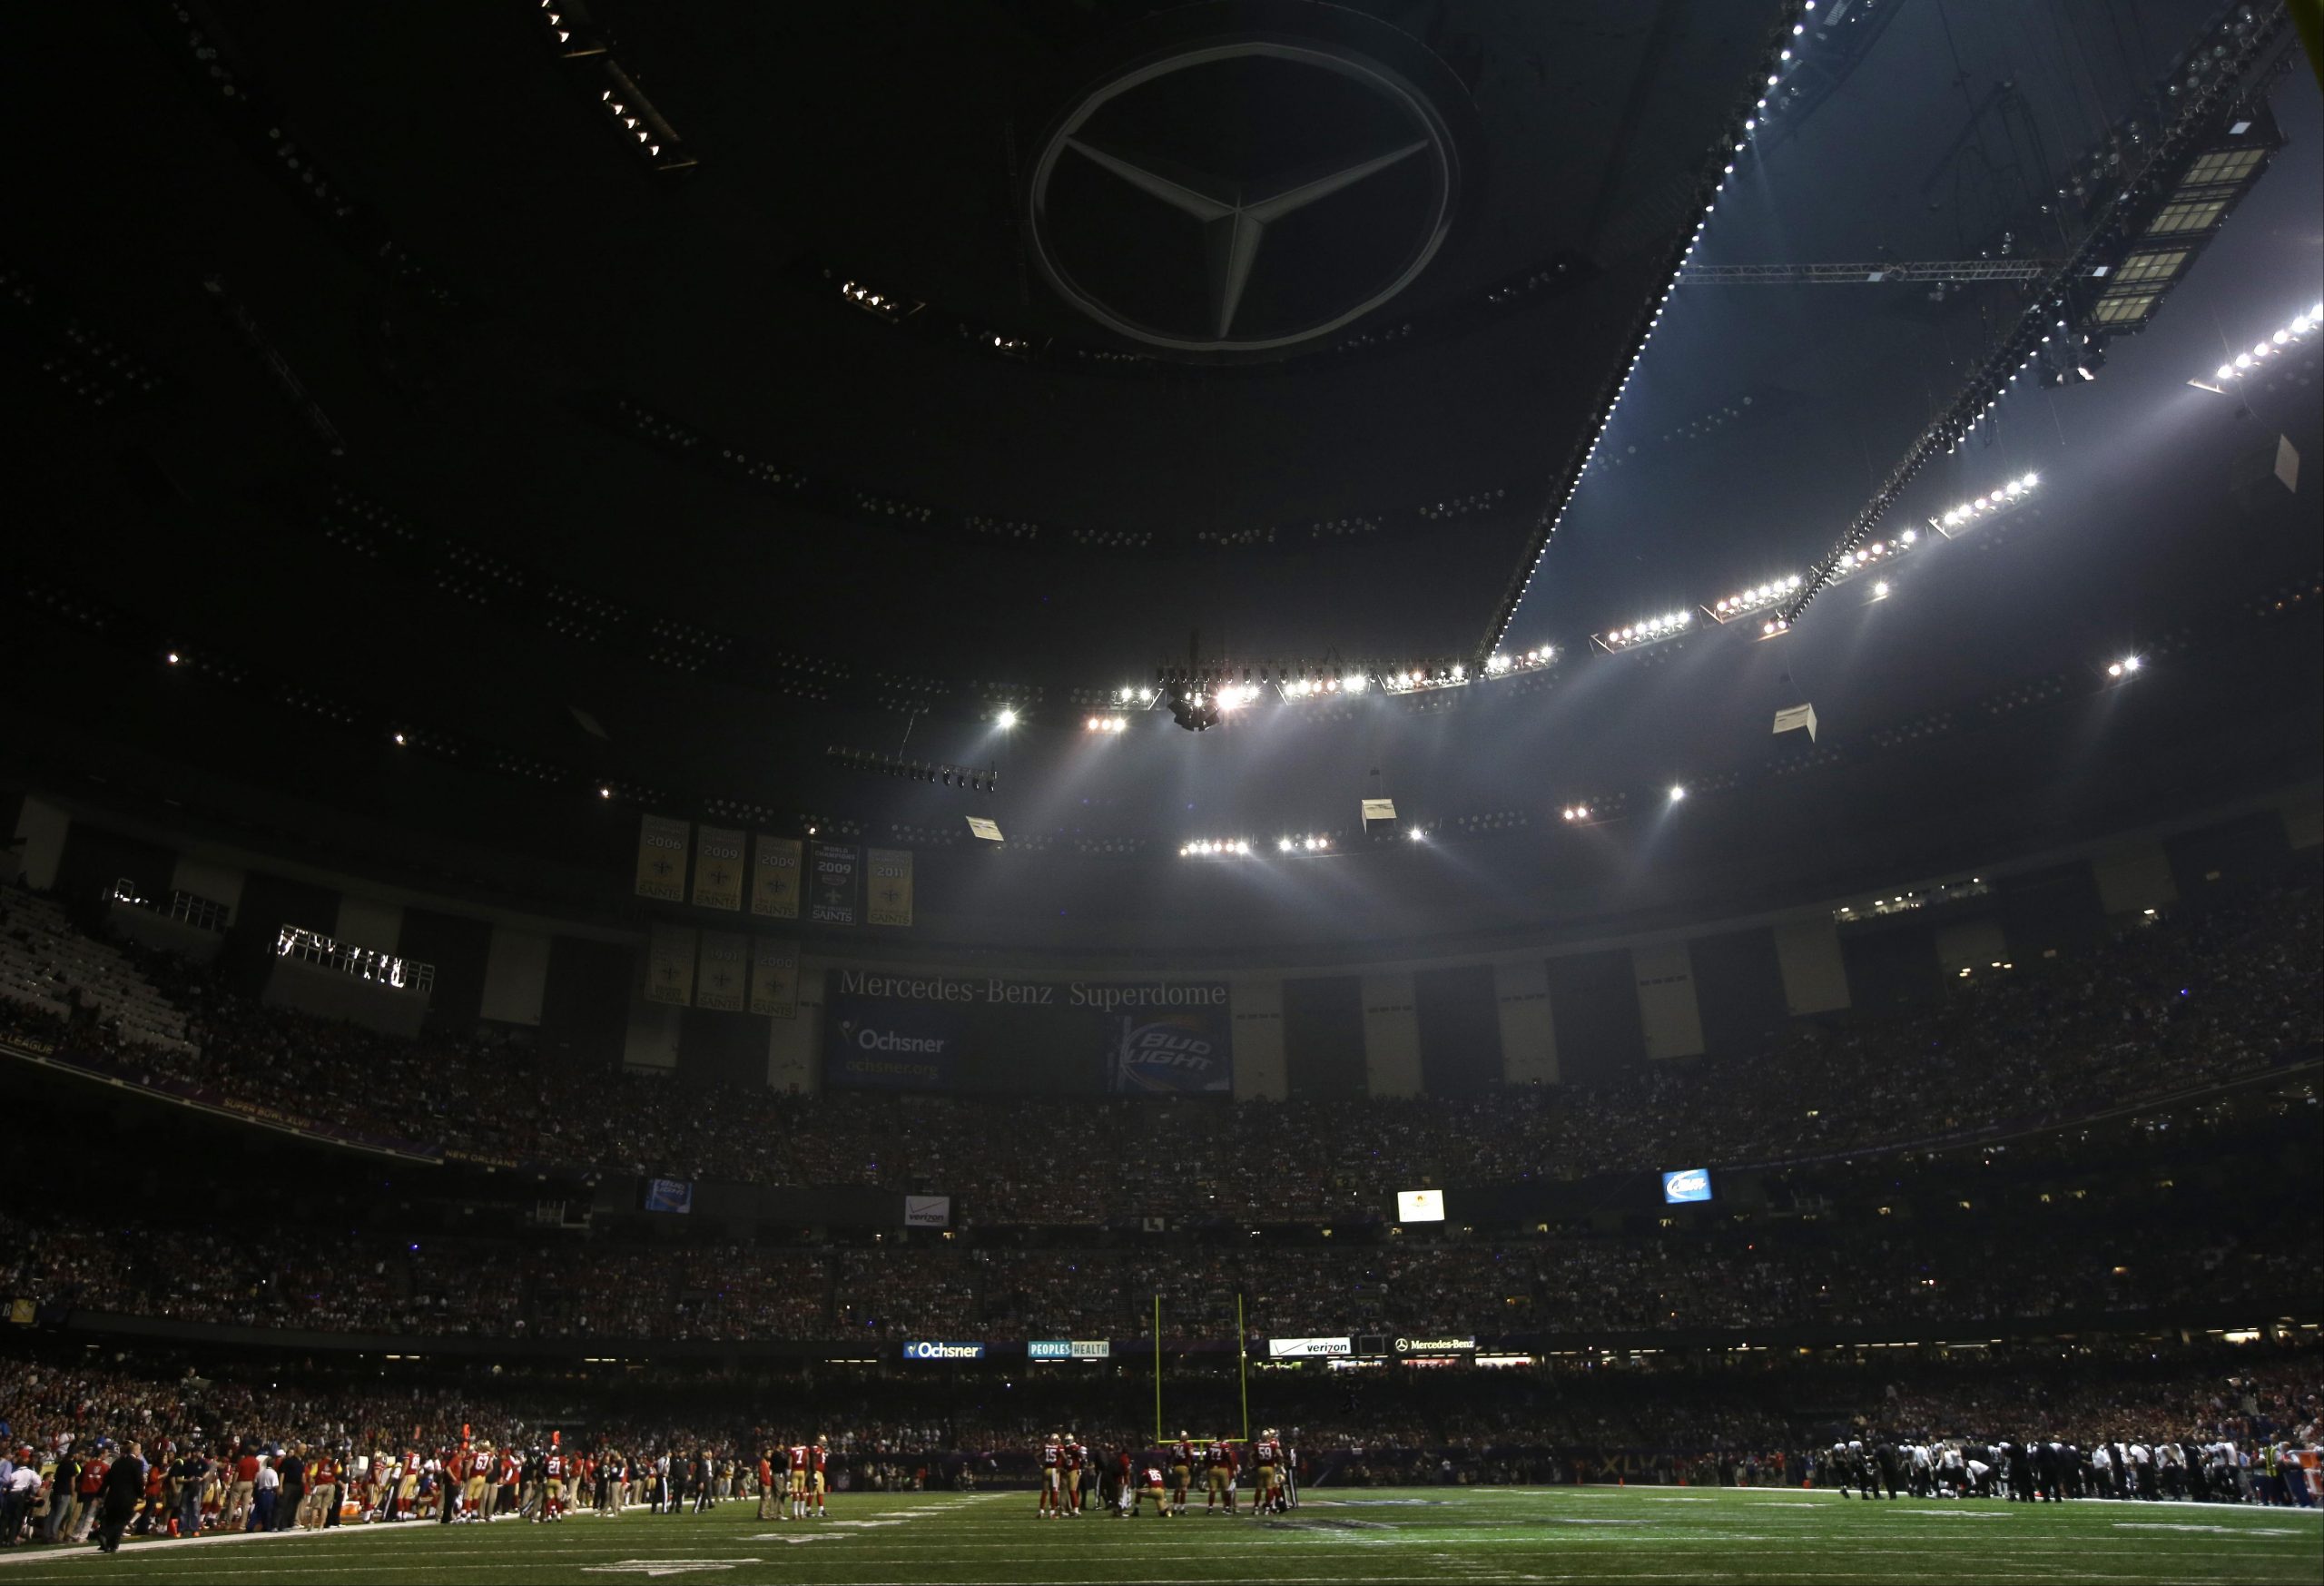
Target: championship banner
(669, 965)
(718, 867)
(774, 879)
(833, 898)
(662, 858)
(887, 886)
(774, 977)
(991, 1036)
(726, 972)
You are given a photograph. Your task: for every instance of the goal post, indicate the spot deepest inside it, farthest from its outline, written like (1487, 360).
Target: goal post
(1162, 1438)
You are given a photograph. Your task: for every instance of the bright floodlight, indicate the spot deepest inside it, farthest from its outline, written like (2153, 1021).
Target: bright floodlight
(2130, 663)
(1415, 833)
(1677, 792)
(1007, 718)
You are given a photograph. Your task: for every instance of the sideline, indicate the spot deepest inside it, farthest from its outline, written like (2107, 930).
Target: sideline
(26, 1554)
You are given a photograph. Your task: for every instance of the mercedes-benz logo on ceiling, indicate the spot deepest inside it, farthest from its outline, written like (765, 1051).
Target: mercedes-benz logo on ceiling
(1241, 195)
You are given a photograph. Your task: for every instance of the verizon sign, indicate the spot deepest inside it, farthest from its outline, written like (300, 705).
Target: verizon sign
(1308, 1348)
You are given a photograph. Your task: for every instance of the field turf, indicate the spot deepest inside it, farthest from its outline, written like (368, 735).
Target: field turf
(1474, 1535)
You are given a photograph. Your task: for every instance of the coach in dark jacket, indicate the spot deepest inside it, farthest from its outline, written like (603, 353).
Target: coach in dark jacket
(119, 1499)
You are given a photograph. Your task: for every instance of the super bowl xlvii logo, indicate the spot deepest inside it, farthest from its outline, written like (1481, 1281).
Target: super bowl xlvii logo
(1169, 1056)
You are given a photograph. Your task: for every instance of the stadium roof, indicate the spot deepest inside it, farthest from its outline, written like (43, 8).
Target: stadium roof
(907, 361)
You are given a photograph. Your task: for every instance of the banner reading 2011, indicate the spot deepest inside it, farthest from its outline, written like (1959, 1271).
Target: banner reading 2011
(887, 886)
(991, 1035)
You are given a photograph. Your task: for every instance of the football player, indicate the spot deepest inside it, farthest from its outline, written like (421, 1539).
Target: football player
(553, 1469)
(478, 1477)
(1052, 1477)
(800, 1454)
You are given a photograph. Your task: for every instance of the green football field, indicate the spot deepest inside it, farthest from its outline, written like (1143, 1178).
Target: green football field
(1489, 1534)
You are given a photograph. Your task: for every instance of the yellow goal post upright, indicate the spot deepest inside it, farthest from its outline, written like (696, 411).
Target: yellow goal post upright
(1162, 1438)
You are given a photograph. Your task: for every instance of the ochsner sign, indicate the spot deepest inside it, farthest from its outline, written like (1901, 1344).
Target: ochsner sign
(933, 1349)
(1308, 1348)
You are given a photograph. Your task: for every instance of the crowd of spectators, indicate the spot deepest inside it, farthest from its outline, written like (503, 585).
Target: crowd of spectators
(2187, 1000)
(1567, 1285)
(1662, 1416)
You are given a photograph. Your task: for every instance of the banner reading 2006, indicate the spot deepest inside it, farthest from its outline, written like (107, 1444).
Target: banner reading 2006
(662, 858)
(991, 1035)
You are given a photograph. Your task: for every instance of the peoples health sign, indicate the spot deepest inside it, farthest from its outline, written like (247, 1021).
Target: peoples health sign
(1069, 1349)
(933, 1349)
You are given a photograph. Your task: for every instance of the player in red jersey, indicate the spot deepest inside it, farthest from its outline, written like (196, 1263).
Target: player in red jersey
(1052, 1477)
(799, 1457)
(553, 1473)
(1151, 1486)
(816, 1475)
(478, 1483)
(1266, 1455)
(1181, 1472)
(1218, 1472)
(1076, 1459)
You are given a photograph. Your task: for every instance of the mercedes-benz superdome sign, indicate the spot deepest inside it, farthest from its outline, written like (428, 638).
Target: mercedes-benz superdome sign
(1461, 1346)
(993, 1035)
(937, 1349)
(1309, 1348)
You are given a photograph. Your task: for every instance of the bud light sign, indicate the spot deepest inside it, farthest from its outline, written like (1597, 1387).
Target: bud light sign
(1686, 1185)
(1176, 1055)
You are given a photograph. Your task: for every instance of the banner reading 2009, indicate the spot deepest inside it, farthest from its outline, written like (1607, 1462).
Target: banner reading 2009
(984, 1034)
(833, 885)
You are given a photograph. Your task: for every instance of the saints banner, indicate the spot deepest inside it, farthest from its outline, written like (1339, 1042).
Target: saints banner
(725, 969)
(718, 867)
(887, 886)
(774, 879)
(774, 977)
(662, 858)
(669, 965)
(834, 884)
